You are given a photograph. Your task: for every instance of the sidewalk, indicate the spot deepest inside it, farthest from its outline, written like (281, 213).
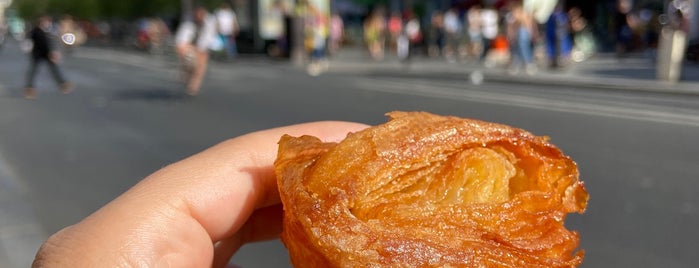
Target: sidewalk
(603, 71)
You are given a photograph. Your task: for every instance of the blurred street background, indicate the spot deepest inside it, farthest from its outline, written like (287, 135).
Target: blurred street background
(615, 84)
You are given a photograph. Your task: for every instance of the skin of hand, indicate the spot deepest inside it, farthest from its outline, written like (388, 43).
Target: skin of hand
(194, 213)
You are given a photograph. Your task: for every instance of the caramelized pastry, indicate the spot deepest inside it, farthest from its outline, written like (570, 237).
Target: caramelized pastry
(425, 190)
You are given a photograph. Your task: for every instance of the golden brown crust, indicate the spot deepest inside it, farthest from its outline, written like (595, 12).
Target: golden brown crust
(429, 191)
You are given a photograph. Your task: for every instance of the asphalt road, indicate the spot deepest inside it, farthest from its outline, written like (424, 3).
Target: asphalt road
(64, 156)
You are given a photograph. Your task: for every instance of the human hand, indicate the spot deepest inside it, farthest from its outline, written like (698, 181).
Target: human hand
(194, 213)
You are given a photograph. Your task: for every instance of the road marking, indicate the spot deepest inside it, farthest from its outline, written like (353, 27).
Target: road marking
(450, 92)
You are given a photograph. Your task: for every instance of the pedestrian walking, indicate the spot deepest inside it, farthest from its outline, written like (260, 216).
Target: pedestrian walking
(194, 39)
(475, 36)
(316, 35)
(395, 28)
(44, 50)
(374, 34)
(157, 33)
(490, 29)
(558, 42)
(435, 41)
(452, 34)
(584, 44)
(521, 30)
(70, 33)
(227, 26)
(622, 25)
(412, 34)
(336, 33)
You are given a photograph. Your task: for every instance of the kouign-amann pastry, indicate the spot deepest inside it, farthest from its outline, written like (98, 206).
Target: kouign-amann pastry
(425, 190)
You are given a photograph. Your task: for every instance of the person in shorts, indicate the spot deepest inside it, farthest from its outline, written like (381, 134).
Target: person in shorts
(194, 38)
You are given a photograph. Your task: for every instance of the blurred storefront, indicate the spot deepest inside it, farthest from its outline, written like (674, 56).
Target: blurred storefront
(265, 25)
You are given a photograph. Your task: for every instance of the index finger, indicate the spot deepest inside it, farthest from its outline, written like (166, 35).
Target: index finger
(221, 186)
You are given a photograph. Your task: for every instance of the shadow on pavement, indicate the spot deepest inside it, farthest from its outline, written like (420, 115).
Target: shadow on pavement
(152, 95)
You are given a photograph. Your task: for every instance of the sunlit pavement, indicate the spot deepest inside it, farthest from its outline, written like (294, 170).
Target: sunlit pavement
(63, 156)
(20, 232)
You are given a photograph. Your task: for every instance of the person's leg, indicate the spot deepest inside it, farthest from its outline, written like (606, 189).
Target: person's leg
(201, 62)
(65, 86)
(527, 51)
(232, 47)
(487, 43)
(31, 73)
(186, 57)
(524, 41)
(186, 53)
(29, 91)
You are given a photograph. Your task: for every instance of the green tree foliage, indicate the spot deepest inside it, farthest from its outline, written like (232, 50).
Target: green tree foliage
(30, 8)
(102, 9)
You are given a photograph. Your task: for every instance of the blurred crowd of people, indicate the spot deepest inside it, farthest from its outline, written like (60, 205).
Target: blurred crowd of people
(494, 34)
(513, 36)
(508, 36)
(516, 36)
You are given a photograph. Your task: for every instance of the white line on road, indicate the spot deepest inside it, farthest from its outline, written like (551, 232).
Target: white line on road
(607, 110)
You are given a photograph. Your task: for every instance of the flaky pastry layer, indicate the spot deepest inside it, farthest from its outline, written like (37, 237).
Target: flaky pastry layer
(425, 190)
